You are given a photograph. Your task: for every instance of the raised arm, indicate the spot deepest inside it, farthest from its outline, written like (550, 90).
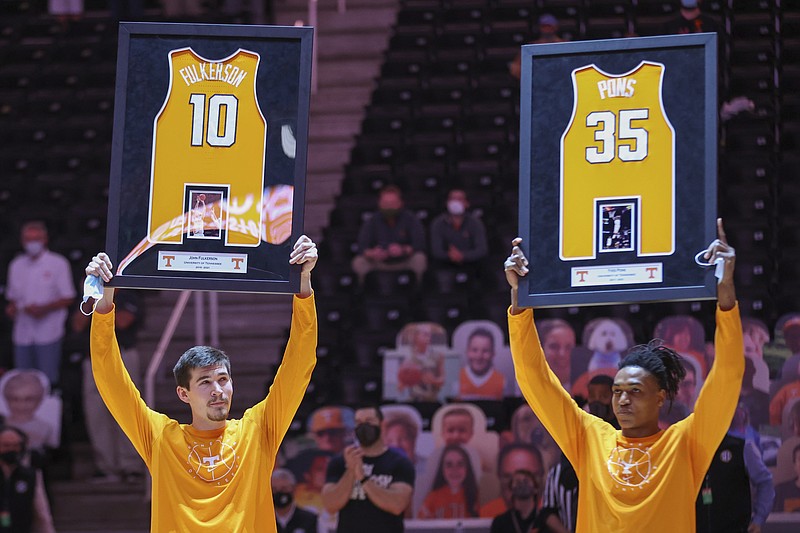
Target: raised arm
(716, 403)
(542, 389)
(119, 393)
(278, 409)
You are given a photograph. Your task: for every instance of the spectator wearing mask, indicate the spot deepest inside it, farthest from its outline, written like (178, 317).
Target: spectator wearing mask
(458, 238)
(39, 290)
(23, 502)
(289, 517)
(524, 514)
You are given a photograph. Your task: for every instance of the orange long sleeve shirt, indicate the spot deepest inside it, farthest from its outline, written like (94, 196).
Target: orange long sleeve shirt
(633, 485)
(209, 480)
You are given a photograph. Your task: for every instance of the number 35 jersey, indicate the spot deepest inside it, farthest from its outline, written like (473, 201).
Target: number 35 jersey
(619, 145)
(210, 131)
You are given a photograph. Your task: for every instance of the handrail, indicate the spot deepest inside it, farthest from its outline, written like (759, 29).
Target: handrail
(161, 349)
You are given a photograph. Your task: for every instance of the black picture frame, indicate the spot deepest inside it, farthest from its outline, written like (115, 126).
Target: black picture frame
(169, 155)
(558, 180)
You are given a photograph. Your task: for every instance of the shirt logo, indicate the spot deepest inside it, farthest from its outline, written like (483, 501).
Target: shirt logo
(213, 462)
(630, 467)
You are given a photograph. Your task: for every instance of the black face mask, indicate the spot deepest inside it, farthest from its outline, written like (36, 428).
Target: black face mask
(368, 434)
(10, 458)
(522, 490)
(282, 499)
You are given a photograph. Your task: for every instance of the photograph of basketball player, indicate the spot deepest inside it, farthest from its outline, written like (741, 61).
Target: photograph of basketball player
(616, 221)
(205, 215)
(632, 478)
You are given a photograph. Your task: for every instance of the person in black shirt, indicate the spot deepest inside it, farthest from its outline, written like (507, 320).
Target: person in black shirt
(369, 485)
(523, 516)
(289, 517)
(23, 503)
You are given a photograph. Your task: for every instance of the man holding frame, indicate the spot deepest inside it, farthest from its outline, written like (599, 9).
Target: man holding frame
(639, 478)
(212, 474)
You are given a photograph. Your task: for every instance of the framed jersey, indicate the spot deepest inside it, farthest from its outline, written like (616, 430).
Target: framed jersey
(618, 169)
(209, 156)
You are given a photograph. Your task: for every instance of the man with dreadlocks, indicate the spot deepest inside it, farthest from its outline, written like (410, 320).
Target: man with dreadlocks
(639, 478)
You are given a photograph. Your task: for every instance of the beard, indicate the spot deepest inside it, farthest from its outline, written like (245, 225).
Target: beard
(218, 413)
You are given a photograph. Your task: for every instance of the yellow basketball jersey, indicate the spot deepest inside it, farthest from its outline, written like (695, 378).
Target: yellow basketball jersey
(619, 145)
(210, 131)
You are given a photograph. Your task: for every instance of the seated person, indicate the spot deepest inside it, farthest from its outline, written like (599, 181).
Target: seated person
(458, 238)
(393, 239)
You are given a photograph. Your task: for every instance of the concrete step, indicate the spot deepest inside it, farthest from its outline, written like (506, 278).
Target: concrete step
(347, 72)
(371, 17)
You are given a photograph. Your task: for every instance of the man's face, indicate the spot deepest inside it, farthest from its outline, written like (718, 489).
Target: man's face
(637, 398)
(32, 234)
(390, 200)
(558, 348)
(457, 428)
(687, 390)
(367, 415)
(480, 354)
(330, 439)
(209, 394)
(282, 484)
(10, 442)
(396, 436)
(519, 459)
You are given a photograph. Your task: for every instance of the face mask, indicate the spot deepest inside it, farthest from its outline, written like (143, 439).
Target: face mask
(282, 499)
(10, 458)
(522, 490)
(600, 410)
(33, 248)
(92, 288)
(390, 213)
(454, 207)
(368, 434)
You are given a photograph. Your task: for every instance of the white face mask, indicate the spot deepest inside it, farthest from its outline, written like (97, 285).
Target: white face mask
(454, 207)
(92, 288)
(33, 248)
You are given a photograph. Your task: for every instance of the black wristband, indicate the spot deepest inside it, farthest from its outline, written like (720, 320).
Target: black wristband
(363, 479)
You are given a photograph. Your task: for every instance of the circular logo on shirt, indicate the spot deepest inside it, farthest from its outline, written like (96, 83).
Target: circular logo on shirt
(213, 462)
(630, 467)
(726, 456)
(21, 487)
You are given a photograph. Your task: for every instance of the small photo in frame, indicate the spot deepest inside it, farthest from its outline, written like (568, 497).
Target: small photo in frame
(616, 221)
(205, 213)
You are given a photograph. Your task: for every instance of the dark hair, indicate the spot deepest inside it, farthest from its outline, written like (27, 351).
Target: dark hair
(374, 406)
(665, 364)
(481, 332)
(405, 421)
(514, 446)
(470, 482)
(547, 326)
(198, 357)
(602, 379)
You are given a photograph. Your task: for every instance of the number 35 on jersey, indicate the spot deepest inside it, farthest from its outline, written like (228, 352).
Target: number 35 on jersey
(210, 131)
(619, 144)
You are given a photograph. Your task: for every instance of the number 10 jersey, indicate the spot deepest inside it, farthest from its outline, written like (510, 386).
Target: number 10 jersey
(619, 144)
(210, 131)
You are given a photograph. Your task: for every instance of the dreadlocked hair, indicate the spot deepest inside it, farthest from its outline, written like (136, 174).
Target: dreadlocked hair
(664, 363)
